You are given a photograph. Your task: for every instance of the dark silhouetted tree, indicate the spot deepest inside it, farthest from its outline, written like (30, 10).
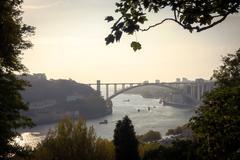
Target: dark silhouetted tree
(193, 15)
(217, 121)
(125, 141)
(13, 39)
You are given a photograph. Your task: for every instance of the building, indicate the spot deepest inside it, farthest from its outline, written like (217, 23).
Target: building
(199, 80)
(184, 79)
(145, 82)
(39, 76)
(178, 80)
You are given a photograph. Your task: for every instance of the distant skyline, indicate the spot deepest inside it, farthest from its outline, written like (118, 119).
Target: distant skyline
(69, 43)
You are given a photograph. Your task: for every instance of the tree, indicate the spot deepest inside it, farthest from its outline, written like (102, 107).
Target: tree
(150, 136)
(193, 15)
(13, 40)
(125, 141)
(179, 150)
(217, 121)
(73, 140)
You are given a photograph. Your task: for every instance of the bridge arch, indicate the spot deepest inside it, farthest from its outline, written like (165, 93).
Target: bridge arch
(151, 84)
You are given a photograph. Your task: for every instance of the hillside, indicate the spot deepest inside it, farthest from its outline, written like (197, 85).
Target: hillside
(51, 100)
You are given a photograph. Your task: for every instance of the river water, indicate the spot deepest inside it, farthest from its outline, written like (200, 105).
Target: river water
(158, 118)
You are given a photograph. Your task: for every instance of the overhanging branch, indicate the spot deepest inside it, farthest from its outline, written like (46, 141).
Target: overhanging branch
(197, 28)
(166, 19)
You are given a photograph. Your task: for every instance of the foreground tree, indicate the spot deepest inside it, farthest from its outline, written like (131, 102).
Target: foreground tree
(179, 150)
(13, 40)
(217, 121)
(125, 141)
(193, 15)
(74, 141)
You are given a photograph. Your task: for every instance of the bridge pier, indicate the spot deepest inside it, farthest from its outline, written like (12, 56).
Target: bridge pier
(107, 91)
(99, 87)
(123, 86)
(199, 92)
(115, 88)
(203, 89)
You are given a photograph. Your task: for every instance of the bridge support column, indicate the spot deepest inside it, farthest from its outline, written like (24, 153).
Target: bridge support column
(99, 87)
(191, 91)
(198, 92)
(115, 88)
(107, 91)
(202, 90)
(123, 86)
(194, 89)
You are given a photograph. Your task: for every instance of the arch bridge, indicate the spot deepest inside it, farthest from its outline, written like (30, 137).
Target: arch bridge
(191, 89)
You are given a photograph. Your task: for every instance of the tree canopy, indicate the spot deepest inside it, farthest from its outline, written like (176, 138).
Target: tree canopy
(150, 136)
(193, 15)
(125, 141)
(13, 40)
(73, 140)
(217, 121)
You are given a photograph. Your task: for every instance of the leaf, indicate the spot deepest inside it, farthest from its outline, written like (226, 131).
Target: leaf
(118, 35)
(142, 19)
(136, 46)
(109, 39)
(109, 18)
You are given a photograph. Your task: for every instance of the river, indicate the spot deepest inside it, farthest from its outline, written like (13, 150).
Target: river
(158, 118)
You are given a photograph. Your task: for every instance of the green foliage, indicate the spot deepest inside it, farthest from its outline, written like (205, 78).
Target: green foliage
(125, 141)
(180, 150)
(228, 75)
(193, 15)
(178, 130)
(150, 136)
(217, 121)
(145, 148)
(74, 141)
(13, 36)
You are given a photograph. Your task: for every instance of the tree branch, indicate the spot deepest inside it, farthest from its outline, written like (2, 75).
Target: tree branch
(166, 19)
(197, 28)
(213, 24)
(115, 24)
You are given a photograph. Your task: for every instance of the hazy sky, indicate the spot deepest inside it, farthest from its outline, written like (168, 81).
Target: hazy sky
(69, 43)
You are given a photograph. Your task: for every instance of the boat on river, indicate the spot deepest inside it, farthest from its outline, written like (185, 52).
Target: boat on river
(104, 122)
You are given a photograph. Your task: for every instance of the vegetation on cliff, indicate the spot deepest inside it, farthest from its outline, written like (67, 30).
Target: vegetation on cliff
(51, 100)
